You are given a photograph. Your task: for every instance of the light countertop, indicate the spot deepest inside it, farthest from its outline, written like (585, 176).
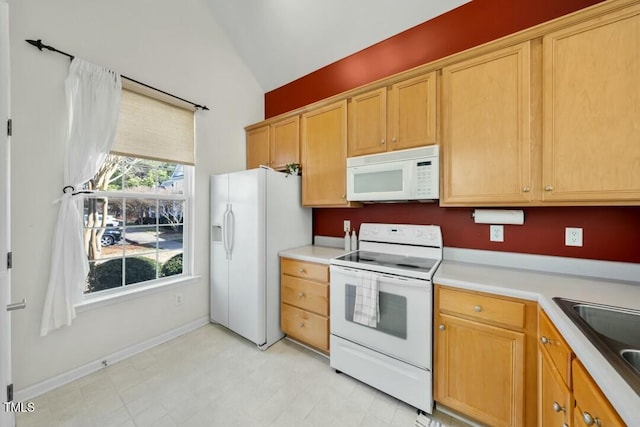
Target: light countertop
(542, 287)
(313, 253)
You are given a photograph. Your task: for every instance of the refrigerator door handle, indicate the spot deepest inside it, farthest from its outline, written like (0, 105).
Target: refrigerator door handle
(230, 232)
(225, 232)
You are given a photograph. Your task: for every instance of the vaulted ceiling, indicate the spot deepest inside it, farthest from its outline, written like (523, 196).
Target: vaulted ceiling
(283, 40)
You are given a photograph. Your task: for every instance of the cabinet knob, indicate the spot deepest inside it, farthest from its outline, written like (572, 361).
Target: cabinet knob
(589, 420)
(301, 294)
(477, 308)
(441, 327)
(344, 196)
(382, 141)
(301, 325)
(394, 140)
(301, 270)
(558, 408)
(545, 340)
(548, 188)
(525, 189)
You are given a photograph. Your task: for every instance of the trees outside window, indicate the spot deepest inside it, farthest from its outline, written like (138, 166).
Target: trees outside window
(134, 222)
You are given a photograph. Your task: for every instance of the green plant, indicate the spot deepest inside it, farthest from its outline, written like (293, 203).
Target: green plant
(172, 266)
(108, 274)
(292, 169)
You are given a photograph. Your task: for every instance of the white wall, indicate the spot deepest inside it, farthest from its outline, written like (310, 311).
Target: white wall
(173, 45)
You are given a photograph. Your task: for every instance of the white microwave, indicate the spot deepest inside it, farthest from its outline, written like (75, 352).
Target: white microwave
(412, 174)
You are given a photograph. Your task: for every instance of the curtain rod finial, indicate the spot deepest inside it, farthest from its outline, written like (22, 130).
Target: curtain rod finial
(36, 43)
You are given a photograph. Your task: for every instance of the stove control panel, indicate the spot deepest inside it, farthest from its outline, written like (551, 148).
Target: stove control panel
(407, 234)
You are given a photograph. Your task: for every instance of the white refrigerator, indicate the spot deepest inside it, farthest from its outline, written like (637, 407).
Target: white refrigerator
(254, 214)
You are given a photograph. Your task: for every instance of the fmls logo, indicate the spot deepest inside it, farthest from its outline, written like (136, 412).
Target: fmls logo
(19, 406)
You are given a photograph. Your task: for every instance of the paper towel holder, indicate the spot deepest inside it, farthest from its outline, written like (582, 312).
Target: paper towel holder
(498, 216)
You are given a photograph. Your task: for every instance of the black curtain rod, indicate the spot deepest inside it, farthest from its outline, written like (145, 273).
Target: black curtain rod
(38, 43)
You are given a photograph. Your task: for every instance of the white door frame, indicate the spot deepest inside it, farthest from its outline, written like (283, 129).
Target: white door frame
(7, 418)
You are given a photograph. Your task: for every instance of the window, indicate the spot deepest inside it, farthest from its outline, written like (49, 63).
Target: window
(137, 215)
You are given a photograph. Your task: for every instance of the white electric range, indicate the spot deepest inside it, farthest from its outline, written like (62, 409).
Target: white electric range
(391, 349)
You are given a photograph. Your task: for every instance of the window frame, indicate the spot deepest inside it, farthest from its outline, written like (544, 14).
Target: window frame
(187, 236)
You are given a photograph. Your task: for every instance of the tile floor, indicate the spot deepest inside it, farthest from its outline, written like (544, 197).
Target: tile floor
(211, 377)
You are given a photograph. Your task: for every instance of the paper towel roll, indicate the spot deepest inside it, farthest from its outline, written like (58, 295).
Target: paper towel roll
(498, 216)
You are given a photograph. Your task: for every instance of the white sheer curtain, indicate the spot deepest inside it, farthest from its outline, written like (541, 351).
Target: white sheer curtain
(93, 100)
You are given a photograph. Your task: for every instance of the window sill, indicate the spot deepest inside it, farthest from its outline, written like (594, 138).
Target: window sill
(92, 302)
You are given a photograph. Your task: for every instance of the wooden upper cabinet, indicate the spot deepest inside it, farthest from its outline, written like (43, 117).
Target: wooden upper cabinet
(324, 156)
(487, 129)
(285, 142)
(591, 135)
(412, 113)
(274, 144)
(258, 147)
(394, 118)
(368, 123)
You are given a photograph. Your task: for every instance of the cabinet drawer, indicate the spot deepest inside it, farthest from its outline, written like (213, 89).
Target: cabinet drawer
(483, 307)
(552, 343)
(304, 326)
(305, 270)
(305, 294)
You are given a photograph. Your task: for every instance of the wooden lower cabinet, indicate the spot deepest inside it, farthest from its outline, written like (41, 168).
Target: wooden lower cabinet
(592, 408)
(556, 403)
(568, 396)
(485, 367)
(304, 297)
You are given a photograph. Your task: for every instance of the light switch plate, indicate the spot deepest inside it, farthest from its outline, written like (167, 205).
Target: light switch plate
(347, 225)
(496, 233)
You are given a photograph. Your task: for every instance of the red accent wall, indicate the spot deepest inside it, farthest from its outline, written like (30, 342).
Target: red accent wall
(471, 24)
(610, 233)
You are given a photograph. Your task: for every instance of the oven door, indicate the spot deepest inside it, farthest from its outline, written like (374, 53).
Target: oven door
(405, 304)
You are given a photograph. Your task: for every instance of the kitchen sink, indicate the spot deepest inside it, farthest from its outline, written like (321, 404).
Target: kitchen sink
(614, 331)
(618, 324)
(633, 357)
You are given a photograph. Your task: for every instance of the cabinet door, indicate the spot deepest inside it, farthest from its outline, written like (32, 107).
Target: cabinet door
(412, 113)
(258, 147)
(555, 398)
(479, 370)
(285, 142)
(487, 129)
(591, 137)
(324, 156)
(591, 404)
(368, 123)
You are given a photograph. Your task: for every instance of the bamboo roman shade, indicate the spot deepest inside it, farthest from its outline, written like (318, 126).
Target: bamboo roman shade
(153, 129)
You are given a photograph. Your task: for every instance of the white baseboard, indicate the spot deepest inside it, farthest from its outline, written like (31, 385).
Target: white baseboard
(30, 392)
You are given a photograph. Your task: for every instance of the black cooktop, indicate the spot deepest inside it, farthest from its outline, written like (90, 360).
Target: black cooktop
(390, 260)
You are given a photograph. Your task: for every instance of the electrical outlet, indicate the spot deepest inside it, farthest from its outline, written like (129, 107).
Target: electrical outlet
(573, 236)
(178, 299)
(347, 225)
(496, 233)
